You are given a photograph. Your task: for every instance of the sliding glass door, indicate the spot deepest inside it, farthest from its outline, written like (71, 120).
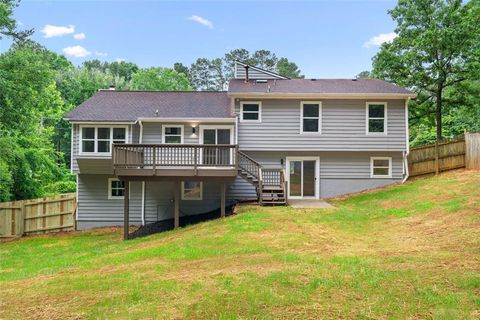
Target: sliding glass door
(216, 136)
(302, 177)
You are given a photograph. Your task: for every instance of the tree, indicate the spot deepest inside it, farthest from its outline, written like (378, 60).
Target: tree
(203, 75)
(437, 47)
(117, 69)
(288, 69)
(181, 68)
(30, 109)
(8, 25)
(214, 74)
(159, 79)
(364, 75)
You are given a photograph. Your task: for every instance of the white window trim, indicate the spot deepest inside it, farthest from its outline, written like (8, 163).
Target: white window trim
(96, 126)
(389, 167)
(181, 126)
(110, 197)
(319, 117)
(385, 120)
(203, 127)
(190, 199)
(259, 103)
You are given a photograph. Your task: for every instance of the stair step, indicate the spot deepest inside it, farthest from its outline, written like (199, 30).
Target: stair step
(274, 202)
(273, 198)
(272, 188)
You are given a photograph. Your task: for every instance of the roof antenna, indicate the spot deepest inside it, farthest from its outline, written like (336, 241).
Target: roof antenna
(156, 113)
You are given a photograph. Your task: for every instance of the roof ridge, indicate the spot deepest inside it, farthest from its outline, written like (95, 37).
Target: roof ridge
(162, 91)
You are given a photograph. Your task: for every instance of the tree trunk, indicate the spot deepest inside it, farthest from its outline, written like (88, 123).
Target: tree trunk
(438, 113)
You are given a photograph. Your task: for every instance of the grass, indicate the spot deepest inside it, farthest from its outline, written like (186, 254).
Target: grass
(409, 251)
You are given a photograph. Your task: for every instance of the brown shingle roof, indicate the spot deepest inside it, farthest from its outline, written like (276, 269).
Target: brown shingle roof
(130, 105)
(320, 86)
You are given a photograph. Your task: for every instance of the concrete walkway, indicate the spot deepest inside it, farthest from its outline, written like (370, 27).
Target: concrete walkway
(309, 204)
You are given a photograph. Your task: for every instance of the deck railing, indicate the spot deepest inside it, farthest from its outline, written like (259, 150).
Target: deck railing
(173, 155)
(272, 177)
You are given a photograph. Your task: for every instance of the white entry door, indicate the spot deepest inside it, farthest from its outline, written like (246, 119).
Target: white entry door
(302, 176)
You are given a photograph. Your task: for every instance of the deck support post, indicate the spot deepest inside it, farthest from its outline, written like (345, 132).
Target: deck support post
(126, 206)
(222, 199)
(176, 213)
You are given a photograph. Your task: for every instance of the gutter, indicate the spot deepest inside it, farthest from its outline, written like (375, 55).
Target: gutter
(140, 140)
(407, 141)
(182, 120)
(405, 164)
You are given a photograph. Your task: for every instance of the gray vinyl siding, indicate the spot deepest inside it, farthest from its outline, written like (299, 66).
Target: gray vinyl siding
(241, 190)
(95, 209)
(343, 127)
(252, 73)
(152, 133)
(94, 205)
(340, 172)
(159, 204)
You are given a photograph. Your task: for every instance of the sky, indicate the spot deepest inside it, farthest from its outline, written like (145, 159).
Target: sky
(326, 39)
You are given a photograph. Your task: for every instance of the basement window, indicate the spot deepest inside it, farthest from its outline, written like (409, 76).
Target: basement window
(250, 111)
(116, 188)
(380, 167)
(192, 190)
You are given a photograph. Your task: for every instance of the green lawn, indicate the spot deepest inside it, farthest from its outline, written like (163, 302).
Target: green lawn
(410, 251)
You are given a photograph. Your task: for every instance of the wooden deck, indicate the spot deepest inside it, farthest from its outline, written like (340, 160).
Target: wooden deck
(175, 161)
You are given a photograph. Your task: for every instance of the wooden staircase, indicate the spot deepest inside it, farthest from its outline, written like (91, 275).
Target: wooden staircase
(270, 184)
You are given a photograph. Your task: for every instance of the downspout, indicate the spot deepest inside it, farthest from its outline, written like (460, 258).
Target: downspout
(140, 140)
(407, 141)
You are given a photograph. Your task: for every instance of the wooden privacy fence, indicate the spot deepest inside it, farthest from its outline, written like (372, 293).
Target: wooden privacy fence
(37, 216)
(472, 149)
(435, 158)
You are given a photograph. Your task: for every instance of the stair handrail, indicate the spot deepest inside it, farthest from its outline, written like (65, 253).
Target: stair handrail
(257, 166)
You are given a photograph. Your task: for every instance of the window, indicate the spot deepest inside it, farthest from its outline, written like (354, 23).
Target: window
(192, 190)
(116, 189)
(250, 111)
(376, 118)
(173, 134)
(100, 139)
(381, 167)
(310, 115)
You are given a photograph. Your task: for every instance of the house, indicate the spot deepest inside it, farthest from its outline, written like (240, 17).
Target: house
(267, 138)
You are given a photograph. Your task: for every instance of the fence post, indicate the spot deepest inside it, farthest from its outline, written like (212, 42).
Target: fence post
(437, 169)
(23, 221)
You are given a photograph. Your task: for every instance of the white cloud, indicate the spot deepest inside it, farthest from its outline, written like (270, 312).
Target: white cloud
(76, 51)
(119, 60)
(79, 36)
(50, 31)
(100, 54)
(378, 40)
(202, 21)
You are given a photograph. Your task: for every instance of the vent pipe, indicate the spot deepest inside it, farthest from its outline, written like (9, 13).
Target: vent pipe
(246, 74)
